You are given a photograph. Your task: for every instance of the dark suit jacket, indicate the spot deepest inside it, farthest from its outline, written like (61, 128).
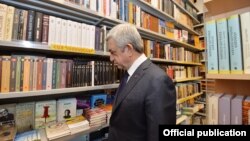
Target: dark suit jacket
(149, 99)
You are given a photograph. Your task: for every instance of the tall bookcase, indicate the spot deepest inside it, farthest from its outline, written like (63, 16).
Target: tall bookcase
(74, 11)
(233, 84)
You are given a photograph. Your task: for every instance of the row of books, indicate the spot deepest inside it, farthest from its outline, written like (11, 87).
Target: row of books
(36, 115)
(154, 49)
(228, 45)
(128, 11)
(184, 90)
(30, 73)
(20, 24)
(181, 72)
(228, 109)
(133, 14)
(168, 6)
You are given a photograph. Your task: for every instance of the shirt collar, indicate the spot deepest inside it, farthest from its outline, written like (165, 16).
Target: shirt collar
(136, 64)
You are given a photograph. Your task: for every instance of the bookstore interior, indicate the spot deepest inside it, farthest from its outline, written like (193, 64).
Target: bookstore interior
(57, 81)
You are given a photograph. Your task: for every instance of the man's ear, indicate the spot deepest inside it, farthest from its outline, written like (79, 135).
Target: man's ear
(130, 49)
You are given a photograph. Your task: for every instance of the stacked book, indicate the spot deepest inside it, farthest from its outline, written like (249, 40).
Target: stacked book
(108, 110)
(96, 117)
(78, 124)
(57, 130)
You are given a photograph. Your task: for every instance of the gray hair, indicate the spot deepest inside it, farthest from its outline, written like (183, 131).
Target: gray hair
(124, 34)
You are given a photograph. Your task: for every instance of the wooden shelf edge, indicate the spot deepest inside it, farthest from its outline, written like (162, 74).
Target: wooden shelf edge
(181, 119)
(55, 91)
(187, 79)
(181, 100)
(229, 76)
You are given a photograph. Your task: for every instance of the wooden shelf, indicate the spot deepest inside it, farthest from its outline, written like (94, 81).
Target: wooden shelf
(200, 102)
(201, 114)
(187, 79)
(181, 100)
(192, 4)
(198, 25)
(181, 119)
(28, 46)
(74, 136)
(185, 11)
(215, 10)
(175, 62)
(162, 15)
(55, 91)
(229, 76)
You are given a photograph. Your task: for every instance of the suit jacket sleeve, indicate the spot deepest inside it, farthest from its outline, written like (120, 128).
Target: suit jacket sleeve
(160, 106)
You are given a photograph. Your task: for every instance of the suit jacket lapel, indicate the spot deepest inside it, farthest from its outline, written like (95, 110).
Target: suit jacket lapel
(138, 74)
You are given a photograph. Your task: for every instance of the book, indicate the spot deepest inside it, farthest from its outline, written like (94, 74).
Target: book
(7, 132)
(32, 135)
(235, 45)
(212, 49)
(245, 33)
(7, 113)
(45, 112)
(57, 130)
(98, 100)
(225, 109)
(223, 49)
(25, 116)
(236, 110)
(66, 109)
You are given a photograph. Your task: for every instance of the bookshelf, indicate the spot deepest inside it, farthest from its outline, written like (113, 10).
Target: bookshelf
(187, 79)
(188, 98)
(229, 76)
(156, 12)
(69, 11)
(228, 84)
(10, 95)
(185, 11)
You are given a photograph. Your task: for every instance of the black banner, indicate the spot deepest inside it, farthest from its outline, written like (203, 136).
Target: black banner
(202, 132)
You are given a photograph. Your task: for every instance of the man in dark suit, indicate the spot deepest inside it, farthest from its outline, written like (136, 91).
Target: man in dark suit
(147, 98)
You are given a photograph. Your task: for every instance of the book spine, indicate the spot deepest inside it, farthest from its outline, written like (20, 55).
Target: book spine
(45, 29)
(236, 61)
(30, 25)
(245, 28)
(13, 65)
(223, 49)
(38, 27)
(212, 47)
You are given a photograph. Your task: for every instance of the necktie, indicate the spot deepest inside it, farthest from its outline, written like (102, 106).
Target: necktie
(122, 85)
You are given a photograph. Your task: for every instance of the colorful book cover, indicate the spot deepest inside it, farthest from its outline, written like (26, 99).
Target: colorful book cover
(98, 100)
(45, 112)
